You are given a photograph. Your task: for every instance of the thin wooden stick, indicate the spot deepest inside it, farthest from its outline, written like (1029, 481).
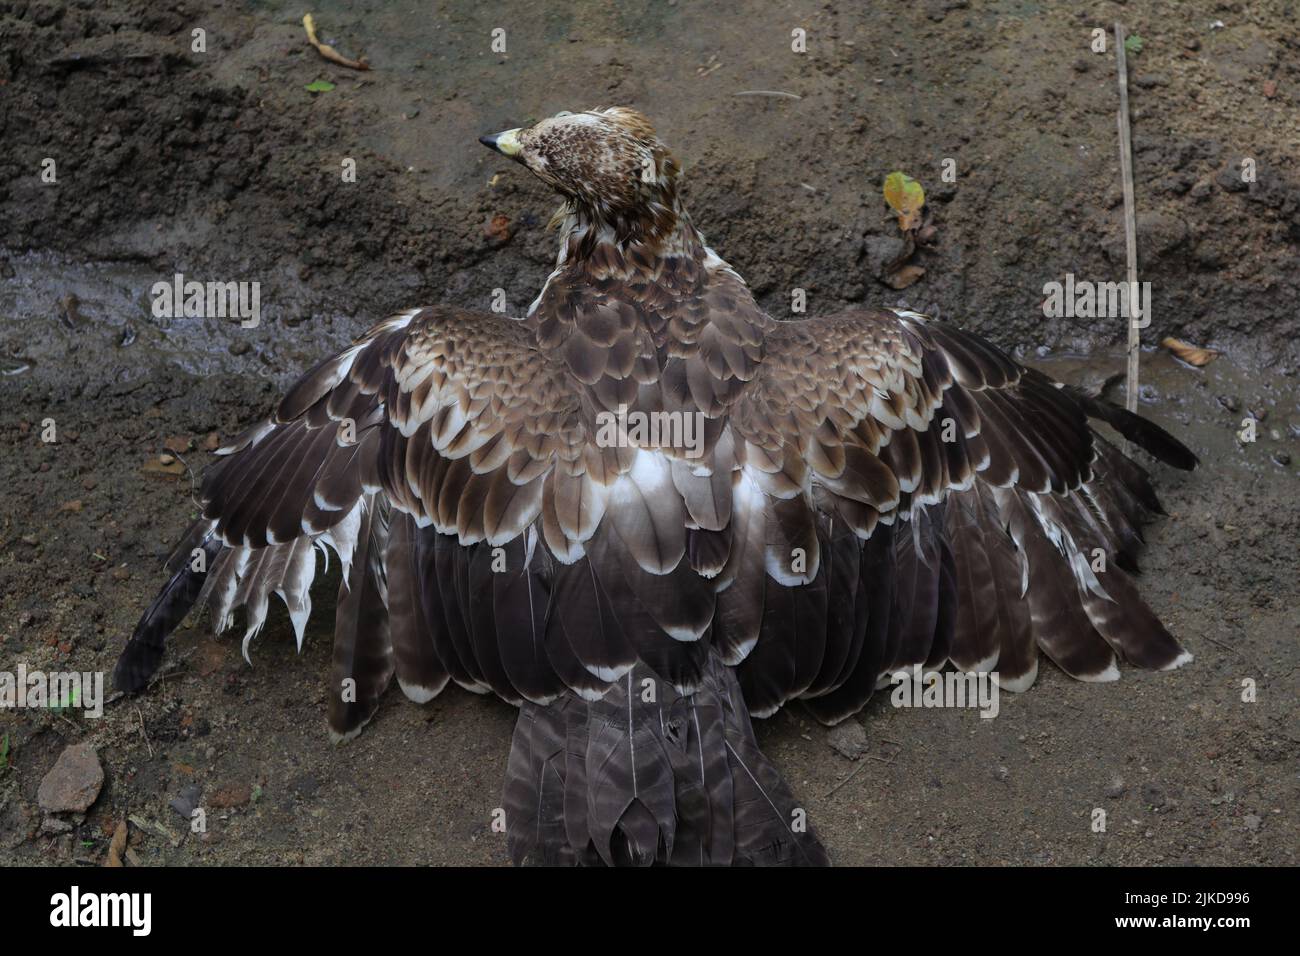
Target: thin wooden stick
(1130, 222)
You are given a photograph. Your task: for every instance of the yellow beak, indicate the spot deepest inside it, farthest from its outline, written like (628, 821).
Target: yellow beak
(506, 143)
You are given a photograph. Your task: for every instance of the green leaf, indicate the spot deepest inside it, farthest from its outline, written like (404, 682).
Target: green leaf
(4, 753)
(906, 197)
(319, 86)
(1133, 43)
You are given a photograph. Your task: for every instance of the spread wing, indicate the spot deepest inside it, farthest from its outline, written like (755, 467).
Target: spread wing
(486, 536)
(876, 492)
(909, 496)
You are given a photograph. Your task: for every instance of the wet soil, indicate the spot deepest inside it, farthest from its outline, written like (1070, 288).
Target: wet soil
(220, 165)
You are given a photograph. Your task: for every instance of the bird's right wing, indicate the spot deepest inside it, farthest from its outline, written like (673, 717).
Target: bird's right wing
(487, 533)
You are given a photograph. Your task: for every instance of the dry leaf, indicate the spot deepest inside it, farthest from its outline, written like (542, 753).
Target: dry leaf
(904, 277)
(906, 197)
(327, 51)
(118, 845)
(1191, 354)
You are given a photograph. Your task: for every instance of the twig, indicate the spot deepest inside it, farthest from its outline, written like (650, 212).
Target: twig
(858, 770)
(789, 96)
(327, 51)
(1130, 220)
(143, 734)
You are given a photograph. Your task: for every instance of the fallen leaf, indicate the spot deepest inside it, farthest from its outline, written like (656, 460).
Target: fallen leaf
(904, 277)
(498, 229)
(319, 86)
(327, 51)
(118, 845)
(906, 197)
(74, 505)
(1191, 354)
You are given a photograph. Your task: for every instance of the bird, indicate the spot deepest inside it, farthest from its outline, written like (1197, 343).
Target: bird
(646, 512)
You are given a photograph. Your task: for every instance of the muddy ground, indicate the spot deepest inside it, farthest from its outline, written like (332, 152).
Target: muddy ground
(221, 165)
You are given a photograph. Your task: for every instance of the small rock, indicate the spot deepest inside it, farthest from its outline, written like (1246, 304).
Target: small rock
(848, 739)
(187, 800)
(54, 825)
(1116, 788)
(73, 783)
(1252, 821)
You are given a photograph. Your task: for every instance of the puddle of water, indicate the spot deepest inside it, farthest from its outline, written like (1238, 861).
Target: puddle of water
(1206, 408)
(96, 321)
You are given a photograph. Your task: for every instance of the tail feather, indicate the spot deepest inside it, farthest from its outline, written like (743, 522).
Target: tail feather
(649, 776)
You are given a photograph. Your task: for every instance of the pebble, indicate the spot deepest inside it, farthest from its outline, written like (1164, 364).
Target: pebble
(1116, 788)
(185, 802)
(848, 739)
(74, 781)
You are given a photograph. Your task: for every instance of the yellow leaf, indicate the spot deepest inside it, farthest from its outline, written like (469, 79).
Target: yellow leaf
(1191, 354)
(906, 197)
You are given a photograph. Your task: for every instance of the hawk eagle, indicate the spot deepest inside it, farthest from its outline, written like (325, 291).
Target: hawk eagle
(830, 501)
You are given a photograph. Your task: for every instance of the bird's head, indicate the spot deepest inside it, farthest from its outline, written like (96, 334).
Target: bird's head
(606, 163)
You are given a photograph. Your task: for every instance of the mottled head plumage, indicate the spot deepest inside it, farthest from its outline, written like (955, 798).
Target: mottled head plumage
(608, 164)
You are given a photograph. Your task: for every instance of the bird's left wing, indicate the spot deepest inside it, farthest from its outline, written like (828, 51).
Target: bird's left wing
(910, 495)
